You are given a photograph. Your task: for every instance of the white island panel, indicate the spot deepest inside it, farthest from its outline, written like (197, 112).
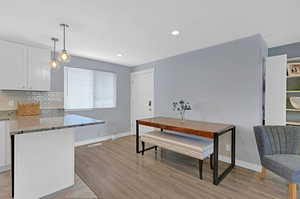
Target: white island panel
(44, 163)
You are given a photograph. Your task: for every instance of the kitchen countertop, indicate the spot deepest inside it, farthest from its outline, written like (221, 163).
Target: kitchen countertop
(29, 124)
(4, 118)
(11, 115)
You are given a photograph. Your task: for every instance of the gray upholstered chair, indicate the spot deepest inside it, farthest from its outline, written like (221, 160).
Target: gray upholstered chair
(279, 150)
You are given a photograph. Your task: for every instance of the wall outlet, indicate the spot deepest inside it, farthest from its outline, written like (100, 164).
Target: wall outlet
(228, 147)
(11, 103)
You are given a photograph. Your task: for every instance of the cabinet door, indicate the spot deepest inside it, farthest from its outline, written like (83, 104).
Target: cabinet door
(13, 70)
(38, 69)
(275, 93)
(3, 139)
(7, 144)
(5, 149)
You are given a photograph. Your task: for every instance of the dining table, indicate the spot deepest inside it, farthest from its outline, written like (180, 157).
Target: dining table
(199, 128)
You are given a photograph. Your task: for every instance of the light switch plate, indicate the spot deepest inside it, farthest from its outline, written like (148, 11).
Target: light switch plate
(228, 147)
(11, 103)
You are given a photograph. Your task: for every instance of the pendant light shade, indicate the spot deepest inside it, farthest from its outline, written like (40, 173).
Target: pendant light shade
(64, 56)
(54, 62)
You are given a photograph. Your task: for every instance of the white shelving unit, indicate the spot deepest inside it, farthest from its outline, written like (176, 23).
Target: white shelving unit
(292, 92)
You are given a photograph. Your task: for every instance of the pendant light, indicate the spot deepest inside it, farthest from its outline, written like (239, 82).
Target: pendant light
(54, 63)
(64, 56)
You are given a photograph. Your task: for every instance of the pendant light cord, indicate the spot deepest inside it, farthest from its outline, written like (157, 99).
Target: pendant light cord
(65, 26)
(64, 36)
(53, 55)
(54, 50)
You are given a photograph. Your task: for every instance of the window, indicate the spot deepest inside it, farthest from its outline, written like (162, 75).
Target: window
(85, 89)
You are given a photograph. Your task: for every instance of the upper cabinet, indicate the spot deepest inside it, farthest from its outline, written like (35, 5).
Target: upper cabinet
(24, 67)
(38, 69)
(13, 67)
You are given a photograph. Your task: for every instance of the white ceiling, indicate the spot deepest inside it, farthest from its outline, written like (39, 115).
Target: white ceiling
(140, 29)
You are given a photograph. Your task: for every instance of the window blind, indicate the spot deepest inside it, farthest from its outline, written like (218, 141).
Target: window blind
(85, 89)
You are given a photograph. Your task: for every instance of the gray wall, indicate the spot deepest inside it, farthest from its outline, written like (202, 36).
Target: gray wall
(117, 119)
(292, 50)
(223, 83)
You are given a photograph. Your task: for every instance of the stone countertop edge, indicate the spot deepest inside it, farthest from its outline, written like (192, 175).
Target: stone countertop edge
(53, 128)
(4, 119)
(62, 126)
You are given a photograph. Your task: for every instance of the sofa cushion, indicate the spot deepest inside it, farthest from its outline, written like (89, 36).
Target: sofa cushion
(285, 165)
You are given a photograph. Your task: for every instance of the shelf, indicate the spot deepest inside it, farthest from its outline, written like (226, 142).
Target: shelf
(292, 77)
(293, 91)
(293, 123)
(293, 110)
(294, 59)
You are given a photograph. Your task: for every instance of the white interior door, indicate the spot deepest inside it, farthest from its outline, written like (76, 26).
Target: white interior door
(142, 91)
(275, 93)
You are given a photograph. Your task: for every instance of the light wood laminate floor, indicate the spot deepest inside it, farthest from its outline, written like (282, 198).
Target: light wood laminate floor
(79, 191)
(114, 171)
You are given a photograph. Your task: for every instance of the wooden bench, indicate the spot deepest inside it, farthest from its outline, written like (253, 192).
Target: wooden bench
(193, 146)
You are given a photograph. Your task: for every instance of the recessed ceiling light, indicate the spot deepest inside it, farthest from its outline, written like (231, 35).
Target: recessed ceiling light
(175, 32)
(119, 55)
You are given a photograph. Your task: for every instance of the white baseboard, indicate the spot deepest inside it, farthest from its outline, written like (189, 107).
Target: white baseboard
(103, 138)
(241, 163)
(91, 141)
(121, 135)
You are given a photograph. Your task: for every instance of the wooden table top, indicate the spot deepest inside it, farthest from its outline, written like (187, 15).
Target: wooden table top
(201, 128)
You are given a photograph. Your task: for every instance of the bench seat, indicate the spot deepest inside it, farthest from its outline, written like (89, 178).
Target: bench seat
(197, 147)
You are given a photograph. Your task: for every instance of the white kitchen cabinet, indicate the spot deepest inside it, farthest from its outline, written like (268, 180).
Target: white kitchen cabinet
(24, 67)
(38, 69)
(4, 147)
(13, 68)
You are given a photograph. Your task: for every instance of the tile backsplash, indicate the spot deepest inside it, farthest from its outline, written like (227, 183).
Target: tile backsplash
(48, 100)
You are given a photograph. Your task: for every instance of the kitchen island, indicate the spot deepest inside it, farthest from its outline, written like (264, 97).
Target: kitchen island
(42, 151)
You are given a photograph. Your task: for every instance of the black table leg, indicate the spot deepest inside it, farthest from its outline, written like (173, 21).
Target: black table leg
(216, 178)
(216, 159)
(233, 146)
(12, 139)
(137, 138)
